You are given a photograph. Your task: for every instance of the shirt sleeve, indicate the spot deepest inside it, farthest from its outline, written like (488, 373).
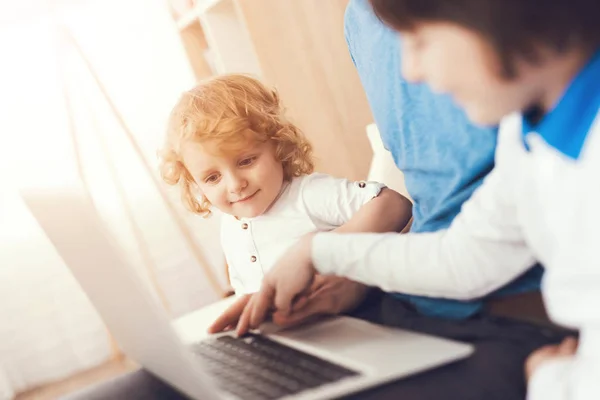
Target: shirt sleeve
(331, 202)
(481, 251)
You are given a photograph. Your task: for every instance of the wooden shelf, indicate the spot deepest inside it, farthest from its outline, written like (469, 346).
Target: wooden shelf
(228, 37)
(197, 50)
(299, 47)
(200, 7)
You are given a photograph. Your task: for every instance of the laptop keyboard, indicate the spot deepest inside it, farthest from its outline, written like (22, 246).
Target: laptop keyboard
(254, 367)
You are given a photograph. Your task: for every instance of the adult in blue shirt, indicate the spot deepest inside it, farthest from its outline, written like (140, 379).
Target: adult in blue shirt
(443, 156)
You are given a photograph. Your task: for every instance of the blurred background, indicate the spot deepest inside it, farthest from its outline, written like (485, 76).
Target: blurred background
(86, 89)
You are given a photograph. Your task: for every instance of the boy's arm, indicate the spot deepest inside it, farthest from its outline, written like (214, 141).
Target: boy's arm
(481, 251)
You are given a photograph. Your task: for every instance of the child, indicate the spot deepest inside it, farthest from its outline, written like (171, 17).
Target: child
(539, 62)
(231, 148)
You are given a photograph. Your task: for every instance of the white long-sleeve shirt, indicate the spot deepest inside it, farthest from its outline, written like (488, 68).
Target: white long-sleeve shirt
(309, 203)
(536, 204)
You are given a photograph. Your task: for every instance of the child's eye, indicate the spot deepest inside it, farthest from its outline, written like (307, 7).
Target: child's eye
(212, 178)
(247, 161)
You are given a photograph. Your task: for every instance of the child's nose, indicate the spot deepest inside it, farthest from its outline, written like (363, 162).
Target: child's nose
(237, 184)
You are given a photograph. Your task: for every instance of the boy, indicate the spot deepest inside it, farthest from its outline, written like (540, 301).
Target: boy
(539, 204)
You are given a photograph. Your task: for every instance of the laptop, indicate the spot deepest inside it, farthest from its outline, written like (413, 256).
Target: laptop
(323, 360)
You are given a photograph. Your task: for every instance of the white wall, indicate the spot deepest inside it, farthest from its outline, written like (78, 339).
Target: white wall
(48, 328)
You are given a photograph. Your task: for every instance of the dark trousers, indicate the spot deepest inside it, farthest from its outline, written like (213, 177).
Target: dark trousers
(494, 371)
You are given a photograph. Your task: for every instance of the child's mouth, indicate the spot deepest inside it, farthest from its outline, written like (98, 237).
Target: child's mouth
(244, 199)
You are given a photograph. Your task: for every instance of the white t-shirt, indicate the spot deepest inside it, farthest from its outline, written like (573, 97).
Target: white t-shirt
(307, 204)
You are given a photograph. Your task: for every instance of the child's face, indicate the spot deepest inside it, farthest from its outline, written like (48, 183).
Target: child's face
(457, 61)
(244, 184)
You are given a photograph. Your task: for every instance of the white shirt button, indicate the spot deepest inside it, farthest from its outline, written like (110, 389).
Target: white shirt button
(244, 226)
(253, 259)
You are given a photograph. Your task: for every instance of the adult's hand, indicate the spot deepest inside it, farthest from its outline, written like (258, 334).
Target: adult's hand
(329, 295)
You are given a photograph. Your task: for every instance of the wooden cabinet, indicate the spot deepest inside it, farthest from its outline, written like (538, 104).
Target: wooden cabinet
(299, 46)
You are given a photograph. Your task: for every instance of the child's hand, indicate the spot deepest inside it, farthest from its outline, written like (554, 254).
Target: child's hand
(567, 348)
(230, 317)
(290, 277)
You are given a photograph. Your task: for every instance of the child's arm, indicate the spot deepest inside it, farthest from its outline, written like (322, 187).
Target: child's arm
(388, 212)
(345, 206)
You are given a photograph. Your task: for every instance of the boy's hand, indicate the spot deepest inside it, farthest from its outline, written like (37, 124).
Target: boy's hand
(290, 278)
(567, 348)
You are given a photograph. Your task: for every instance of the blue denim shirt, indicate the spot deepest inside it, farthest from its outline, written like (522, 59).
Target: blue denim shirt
(443, 156)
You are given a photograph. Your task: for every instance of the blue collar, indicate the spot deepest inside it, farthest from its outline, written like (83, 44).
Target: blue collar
(566, 127)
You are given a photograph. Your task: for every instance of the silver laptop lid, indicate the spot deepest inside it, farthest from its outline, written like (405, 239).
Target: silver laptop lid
(141, 327)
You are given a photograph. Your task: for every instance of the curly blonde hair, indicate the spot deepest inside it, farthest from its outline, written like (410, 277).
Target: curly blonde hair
(232, 111)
